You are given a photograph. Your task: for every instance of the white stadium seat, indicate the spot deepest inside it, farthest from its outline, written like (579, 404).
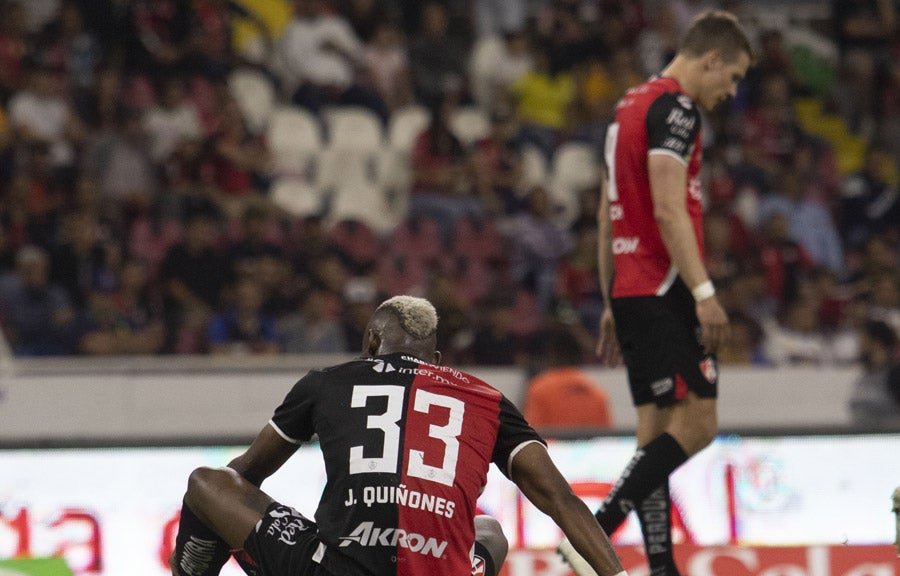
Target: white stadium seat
(405, 126)
(296, 197)
(470, 124)
(575, 168)
(294, 139)
(255, 95)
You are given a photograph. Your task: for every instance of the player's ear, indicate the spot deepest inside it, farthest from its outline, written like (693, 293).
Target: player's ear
(437, 357)
(712, 58)
(371, 342)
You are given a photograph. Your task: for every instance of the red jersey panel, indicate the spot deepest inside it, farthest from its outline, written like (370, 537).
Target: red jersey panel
(653, 118)
(407, 447)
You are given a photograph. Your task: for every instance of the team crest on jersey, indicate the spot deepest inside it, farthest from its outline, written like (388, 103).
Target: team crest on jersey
(478, 566)
(708, 369)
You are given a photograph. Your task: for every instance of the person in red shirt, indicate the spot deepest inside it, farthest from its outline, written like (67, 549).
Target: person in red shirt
(662, 313)
(407, 444)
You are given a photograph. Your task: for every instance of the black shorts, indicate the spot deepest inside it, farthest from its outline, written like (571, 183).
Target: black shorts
(660, 343)
(283, 542)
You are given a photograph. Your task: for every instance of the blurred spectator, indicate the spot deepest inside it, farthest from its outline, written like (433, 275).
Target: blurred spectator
(496, 17)
(36, 315)
(493, 78)
(721, 259)
(542, 99)
(243, 327)
(562, 395)
(769, 129)
(537, 245)
(172, 122)
(578, 281)
(443, 173)
(246, 254)
(387, 65)
(875, 401)
(193, 275)
(239, 159)
(69, 46)
(160, 41)
(120, 162)
(773, 59)
(797, 338)
(114, 323)
(810, 222)
(38, 193)
(213, 36)
(360, 300)
(494, 342)
(367, 16)
(437, 58)
(15, 49)
(863, 31)
(783, 259)
(870, 202)
(884, 297)
(40, 114)
(499, 165)
(313, 329)
(320, 56)
(599, 87)
(99, 104)
(744, 345)
(80, 261)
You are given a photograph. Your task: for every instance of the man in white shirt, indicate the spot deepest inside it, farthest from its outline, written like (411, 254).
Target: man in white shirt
(40, 114)
(319, 57)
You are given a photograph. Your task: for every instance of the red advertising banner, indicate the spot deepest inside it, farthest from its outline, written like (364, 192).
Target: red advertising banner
(879, 560)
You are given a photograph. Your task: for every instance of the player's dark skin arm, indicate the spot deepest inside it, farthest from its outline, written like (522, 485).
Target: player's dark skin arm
(541, 482)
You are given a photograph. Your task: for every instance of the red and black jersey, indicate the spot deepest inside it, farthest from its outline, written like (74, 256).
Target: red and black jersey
(407, 447)
(653, 118)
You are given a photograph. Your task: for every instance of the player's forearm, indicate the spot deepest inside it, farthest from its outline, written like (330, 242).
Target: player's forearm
(604, 246)
(588, 538)
(678, 235)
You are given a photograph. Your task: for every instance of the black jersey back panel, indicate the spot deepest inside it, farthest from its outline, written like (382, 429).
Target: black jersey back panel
(407, 446)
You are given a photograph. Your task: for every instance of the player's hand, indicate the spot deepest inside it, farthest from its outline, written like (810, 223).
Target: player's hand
(608, 346)
(714, 328)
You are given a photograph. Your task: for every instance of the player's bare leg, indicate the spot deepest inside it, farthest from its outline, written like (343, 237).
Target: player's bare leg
(220, 510)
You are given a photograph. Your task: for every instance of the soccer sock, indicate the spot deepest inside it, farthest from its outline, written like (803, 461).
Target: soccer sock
(655, 514)
(648, 469)
(484, 554)
(198, 550)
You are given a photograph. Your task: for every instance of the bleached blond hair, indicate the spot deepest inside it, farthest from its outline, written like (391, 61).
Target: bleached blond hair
(417, 316)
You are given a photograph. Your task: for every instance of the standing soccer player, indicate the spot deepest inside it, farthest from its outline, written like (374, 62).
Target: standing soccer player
(407, 445)
(663, 314)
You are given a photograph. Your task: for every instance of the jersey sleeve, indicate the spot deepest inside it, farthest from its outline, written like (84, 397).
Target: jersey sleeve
(293, 419)
(673, 123)
(513, 434)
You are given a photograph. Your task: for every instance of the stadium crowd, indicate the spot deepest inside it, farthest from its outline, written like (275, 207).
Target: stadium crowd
(213, 176)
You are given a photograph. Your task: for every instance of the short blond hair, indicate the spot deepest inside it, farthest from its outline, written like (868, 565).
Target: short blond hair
(416, 316)
(717, 30)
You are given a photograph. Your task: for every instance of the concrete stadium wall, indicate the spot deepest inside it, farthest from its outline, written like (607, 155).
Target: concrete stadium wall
(163, 400)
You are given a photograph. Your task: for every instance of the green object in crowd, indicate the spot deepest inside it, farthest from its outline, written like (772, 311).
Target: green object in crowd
(34, 567)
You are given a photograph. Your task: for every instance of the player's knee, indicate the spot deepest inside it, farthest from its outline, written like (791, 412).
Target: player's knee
(200, 482)
(489, 533)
